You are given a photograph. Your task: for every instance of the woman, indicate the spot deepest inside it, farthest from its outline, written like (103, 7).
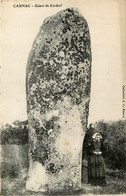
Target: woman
(96, 165)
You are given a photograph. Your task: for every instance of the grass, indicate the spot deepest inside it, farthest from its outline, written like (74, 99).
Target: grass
(16, 186)
(14, 174)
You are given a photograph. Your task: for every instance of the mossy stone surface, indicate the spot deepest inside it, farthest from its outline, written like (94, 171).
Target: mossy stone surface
(58, 93)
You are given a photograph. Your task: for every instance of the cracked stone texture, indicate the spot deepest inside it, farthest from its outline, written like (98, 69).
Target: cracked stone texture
(58, 84)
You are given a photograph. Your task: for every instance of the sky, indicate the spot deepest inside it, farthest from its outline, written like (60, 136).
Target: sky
(19, 29)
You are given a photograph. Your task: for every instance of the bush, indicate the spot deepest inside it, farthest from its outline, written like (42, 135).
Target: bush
(113, 133)
(14, 135)
(114, 138)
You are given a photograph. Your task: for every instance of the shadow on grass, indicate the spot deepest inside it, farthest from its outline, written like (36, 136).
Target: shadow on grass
(16, 186)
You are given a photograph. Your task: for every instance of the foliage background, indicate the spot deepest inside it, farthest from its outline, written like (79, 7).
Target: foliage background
(114, 139)
(14, 166)
(113, 133)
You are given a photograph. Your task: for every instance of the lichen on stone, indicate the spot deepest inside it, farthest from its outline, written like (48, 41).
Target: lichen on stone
(58, 93)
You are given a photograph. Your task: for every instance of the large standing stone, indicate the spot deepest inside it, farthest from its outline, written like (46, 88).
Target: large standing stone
(58, 91)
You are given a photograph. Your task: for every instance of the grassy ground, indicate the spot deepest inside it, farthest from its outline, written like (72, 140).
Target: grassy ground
(16, 186)
(14, 173)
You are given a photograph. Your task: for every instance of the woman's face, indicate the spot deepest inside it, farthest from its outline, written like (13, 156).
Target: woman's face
(97, 138)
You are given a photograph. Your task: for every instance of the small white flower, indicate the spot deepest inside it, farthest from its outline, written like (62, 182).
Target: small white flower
(50, 131)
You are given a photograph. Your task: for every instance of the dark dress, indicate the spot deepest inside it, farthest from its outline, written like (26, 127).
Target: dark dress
(96, 164)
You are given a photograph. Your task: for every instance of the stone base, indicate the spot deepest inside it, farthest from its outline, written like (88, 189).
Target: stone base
(62, 169)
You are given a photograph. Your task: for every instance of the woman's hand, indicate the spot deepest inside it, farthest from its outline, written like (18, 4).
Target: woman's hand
(94, 152)
(97, 153)
(85, 162)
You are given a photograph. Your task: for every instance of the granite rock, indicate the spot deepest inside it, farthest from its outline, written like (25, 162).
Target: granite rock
(58, 84)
